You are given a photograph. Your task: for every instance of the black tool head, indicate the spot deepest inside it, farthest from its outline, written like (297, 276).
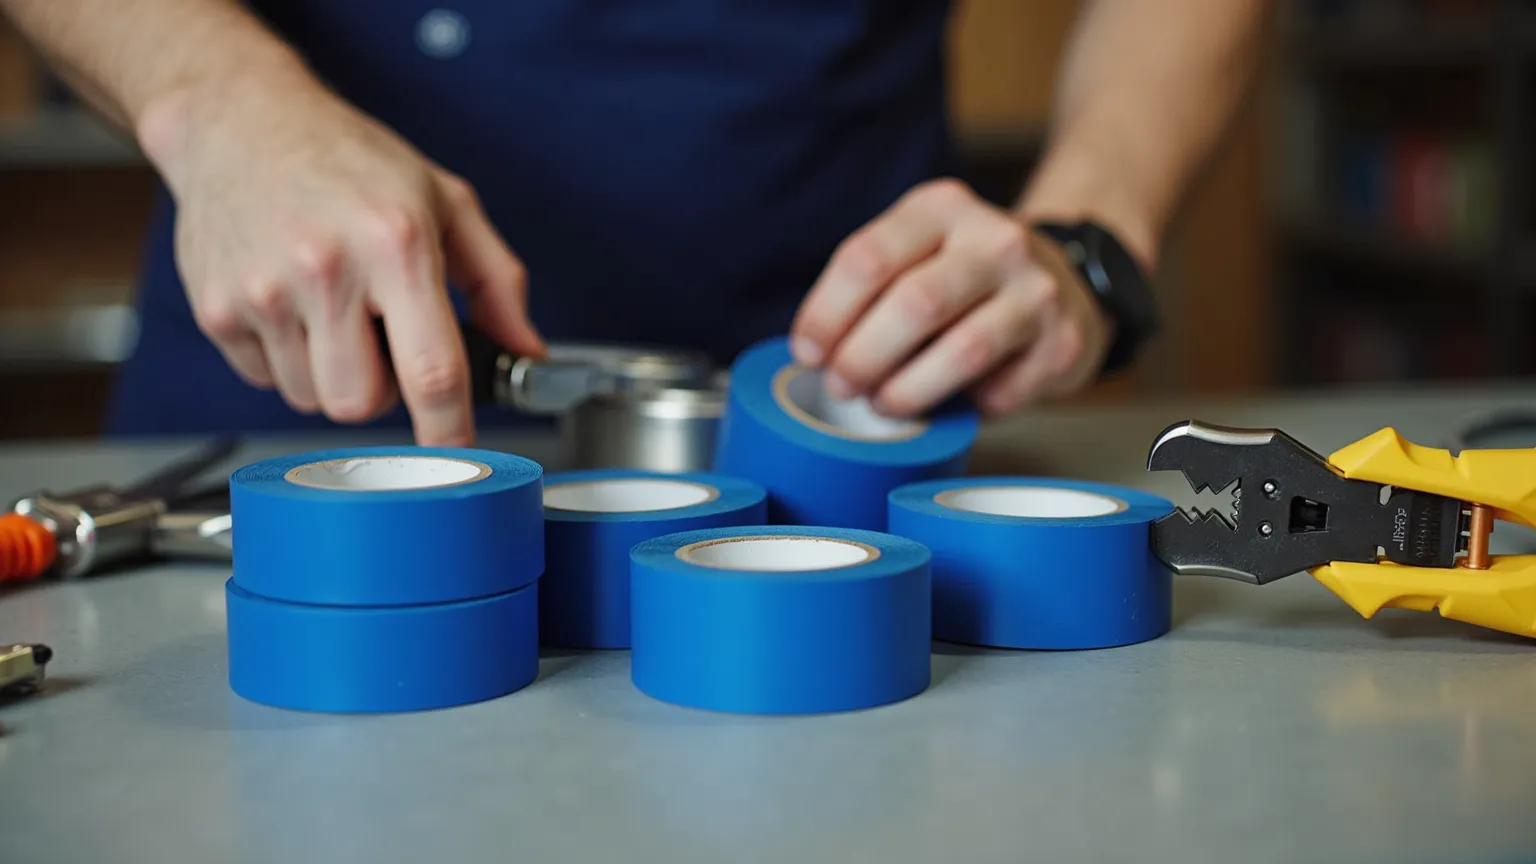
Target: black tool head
(1294, 510)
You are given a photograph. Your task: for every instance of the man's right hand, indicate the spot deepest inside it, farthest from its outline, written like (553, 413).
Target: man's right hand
(299, 221)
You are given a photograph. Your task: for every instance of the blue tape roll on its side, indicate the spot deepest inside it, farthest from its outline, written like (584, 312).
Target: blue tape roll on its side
(584, 594)
(817, 477)
(1032, 581)
(778, 641)
(384, 658)
(355, 547)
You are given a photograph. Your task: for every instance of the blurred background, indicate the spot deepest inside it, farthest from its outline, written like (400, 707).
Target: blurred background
(1367, 223)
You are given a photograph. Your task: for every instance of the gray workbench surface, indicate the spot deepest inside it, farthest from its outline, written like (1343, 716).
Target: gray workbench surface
(1272, 724)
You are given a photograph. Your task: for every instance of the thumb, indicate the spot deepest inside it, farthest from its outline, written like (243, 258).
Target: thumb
(486, 270)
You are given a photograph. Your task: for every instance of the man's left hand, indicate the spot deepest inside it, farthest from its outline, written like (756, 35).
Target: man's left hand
(946, 292)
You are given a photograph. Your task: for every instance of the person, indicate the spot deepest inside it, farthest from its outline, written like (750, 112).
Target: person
(696, 175)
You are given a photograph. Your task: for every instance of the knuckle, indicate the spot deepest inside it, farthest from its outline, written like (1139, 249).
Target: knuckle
(973, 354)
(217, 317)
(861, 258)
(1070, 344)
(945, 191)
(509, 273)
(1044, 292)
(318, 261)
(517, 273)
(395, 228)
(1007, 245)
(268, 300)
(438, 377)
(459, 192)
(924, 299)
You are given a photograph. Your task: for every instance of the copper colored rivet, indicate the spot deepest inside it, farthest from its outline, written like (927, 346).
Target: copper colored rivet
(1477, 537)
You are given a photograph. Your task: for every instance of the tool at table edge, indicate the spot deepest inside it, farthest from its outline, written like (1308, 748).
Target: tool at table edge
(22, 668)
(1382, 522)
(72, 533)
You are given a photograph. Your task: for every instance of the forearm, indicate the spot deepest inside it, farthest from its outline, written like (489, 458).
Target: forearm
(1146, 92)
(142, 64)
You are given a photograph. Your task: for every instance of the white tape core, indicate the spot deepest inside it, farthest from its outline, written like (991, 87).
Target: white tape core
(1031, 502)
(782, 554)
(627, 495)
(387, 473)
(810, 403)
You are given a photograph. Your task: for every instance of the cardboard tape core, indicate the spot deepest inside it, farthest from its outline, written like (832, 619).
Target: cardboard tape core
(1030, 502)
(627, 495)
(802, 395)
(387, 473)
(778, 554)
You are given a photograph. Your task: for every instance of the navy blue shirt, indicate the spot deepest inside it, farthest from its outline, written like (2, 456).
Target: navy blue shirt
(671, 173)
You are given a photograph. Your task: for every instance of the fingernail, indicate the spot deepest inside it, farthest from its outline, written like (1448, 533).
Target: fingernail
(806, 352)
(837, 388)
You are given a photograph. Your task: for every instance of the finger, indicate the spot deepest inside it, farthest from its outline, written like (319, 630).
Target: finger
(222, 323)
(494, 280)
(424, 339)
(1025, 380)
(287, 350)
(270, 308)
(351, 383)
(971, 349)
(246, 356)
(922, 302)
(864, 265)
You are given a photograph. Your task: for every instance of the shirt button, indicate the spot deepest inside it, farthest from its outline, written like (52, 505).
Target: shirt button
(442, 33)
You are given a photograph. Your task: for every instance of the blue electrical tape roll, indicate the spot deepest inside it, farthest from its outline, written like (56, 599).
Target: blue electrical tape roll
(591, 521)
(1039, 563)
(341, 659)
(379, 526)
(826, 462)
(780, 619)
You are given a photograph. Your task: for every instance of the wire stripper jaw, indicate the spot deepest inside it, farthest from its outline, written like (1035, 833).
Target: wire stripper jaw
(1293, 510)
(1381, 522)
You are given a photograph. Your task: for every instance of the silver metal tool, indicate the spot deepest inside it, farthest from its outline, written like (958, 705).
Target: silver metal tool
(669, 429)
(202, 535)
(619, 406)
(97, 526)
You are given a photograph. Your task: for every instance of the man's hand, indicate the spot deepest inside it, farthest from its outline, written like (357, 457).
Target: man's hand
(945, 292)
(299, 221)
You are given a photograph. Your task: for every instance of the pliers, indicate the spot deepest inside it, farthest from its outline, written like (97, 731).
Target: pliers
(1382, 522)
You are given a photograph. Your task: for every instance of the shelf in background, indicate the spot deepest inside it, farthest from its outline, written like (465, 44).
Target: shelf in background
(1387, 45)
(1366, 244)
(64, 138)
(67, 337)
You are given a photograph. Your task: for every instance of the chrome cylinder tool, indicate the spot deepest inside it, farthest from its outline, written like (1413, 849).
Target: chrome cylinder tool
(81, 531)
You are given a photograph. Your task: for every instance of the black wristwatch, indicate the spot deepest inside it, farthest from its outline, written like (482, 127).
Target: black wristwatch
(1123, 290)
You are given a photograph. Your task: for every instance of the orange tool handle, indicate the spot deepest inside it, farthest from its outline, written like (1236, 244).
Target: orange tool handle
(27, 549)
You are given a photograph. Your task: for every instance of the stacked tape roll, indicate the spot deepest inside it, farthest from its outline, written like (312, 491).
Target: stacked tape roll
(1038, 563)
(780, 619)
(826, 461)
(385, 579)
(376, 526)
(356, 659)
(592, 519)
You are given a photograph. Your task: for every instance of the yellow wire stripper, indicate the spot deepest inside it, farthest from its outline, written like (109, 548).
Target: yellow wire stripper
(1382, 522)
